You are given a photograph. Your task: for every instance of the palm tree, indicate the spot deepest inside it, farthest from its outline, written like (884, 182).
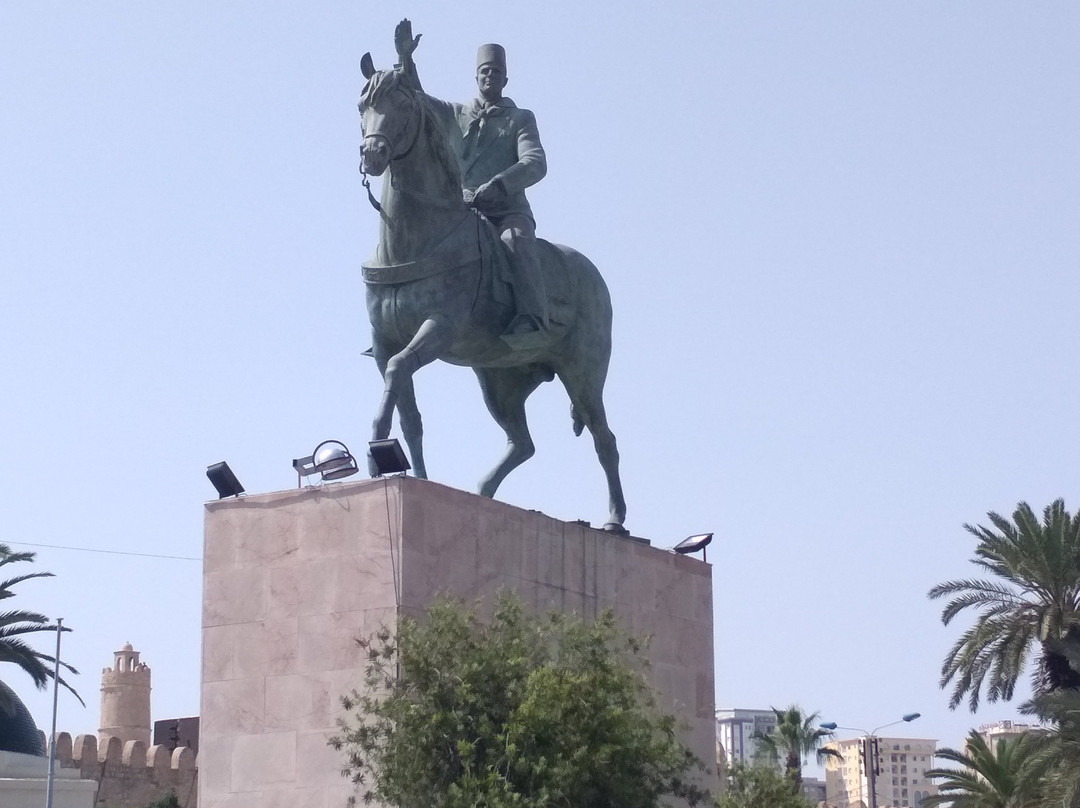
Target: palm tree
(1032, 601)
(1060, 711)
(1007, 776)
(792, 739)
(15, 624)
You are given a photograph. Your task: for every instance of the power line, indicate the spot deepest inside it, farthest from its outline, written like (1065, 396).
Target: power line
(109, 552)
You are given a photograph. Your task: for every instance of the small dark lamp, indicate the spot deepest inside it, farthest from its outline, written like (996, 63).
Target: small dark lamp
(694, 543)
(388, 456)
(224, 480)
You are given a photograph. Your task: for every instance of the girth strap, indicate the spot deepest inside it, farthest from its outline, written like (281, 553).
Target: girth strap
(427, 266)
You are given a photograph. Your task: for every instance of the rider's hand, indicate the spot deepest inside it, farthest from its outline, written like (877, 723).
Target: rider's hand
(403, 39)
(489, 193)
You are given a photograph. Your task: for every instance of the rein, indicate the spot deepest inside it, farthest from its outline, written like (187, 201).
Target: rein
(447, 252)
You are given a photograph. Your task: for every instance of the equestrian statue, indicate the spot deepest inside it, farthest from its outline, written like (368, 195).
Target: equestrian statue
(458, 273)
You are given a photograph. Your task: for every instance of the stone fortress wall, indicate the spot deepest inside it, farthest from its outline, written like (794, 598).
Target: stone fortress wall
(129, 770)
(130, 774)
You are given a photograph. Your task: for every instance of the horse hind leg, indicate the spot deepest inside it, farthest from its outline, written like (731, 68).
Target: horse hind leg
(505, 392)
(587, 409)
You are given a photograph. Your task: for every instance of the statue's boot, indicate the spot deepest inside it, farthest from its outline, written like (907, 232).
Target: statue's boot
(529, 328)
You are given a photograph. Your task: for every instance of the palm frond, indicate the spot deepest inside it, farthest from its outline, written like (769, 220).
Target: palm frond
(1033, 600)
(16, 623)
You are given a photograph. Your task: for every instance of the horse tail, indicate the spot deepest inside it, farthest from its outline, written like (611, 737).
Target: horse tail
(578, 423)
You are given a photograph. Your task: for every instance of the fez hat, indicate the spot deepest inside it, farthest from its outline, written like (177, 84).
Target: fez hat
(493, 54)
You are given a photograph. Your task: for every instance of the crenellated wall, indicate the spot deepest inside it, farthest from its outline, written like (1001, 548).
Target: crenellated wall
(130, 775)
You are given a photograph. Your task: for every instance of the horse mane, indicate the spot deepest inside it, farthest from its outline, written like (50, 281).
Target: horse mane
(385, 81)
(439, 138)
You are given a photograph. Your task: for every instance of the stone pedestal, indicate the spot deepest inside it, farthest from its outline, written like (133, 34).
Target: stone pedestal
(291, 578)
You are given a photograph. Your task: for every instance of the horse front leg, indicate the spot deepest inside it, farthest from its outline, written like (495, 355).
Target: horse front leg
(430, 342)
(412, 427)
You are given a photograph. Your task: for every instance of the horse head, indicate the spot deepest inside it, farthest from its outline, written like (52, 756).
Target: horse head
(388, 117)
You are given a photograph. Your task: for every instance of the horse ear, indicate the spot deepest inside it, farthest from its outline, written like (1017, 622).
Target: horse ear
(367, 67)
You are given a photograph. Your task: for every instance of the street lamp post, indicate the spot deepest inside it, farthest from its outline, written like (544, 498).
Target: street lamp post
(52, 738)
(870, 750)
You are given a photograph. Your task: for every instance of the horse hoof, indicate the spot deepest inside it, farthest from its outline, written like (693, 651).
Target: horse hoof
(616, 528)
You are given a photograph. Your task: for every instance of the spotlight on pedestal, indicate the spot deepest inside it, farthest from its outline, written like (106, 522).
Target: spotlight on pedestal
(224, 480)
(694, 543)
(331, 459)
(388, 456)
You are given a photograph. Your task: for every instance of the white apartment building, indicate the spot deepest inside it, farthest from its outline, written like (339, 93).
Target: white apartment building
(735, 733)
(894, 767)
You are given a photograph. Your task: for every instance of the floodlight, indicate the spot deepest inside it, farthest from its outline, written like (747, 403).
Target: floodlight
(331, 459)
(694, 543)
(388, 456)
(224, 480)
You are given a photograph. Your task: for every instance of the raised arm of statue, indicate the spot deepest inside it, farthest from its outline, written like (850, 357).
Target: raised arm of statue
(405, 43)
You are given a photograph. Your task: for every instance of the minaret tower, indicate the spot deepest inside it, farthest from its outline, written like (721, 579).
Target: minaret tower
(125, 698)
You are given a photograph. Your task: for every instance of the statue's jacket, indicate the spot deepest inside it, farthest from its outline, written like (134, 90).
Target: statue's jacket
(495, 142)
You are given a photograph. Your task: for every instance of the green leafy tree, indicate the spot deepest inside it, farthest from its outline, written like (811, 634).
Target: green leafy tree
(1031, 601)
(758, 787)
(1007, 775)
(16, 624)
(792, 740)
(520, 710)
(168, 801)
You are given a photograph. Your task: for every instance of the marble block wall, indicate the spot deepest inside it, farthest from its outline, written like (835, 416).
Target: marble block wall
(291, 578)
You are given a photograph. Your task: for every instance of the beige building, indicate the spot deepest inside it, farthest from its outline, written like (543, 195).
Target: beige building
(895, 768)
(125, 698)
(1005, 730)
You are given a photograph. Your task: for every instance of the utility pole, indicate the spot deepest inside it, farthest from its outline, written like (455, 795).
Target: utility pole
(872, 767)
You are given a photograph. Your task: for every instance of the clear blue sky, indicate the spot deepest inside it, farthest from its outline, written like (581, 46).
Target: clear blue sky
(842, 244)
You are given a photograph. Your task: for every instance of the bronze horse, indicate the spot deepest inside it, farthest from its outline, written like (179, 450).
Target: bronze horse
(437, 289)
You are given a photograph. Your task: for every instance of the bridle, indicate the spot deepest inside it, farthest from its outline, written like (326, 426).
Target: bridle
(390, 146)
